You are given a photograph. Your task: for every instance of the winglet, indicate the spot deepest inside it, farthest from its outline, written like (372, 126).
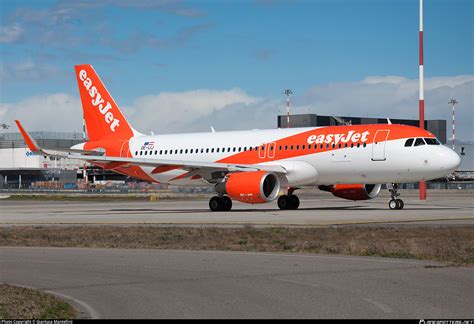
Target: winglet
(32, 145)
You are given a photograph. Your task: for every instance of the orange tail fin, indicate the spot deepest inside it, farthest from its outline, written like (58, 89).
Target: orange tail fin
(102, 115)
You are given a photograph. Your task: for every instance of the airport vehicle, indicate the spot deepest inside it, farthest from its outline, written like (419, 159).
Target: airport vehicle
(351, 162)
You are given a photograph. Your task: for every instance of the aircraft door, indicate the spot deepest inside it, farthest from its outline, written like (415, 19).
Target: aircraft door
(262, 151)
(271, 150)
(125, 150)
(378, 147)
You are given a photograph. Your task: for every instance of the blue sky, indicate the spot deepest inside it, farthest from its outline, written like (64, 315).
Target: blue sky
(261, 47)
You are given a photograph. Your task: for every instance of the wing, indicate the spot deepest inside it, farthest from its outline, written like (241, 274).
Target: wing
(111, 162)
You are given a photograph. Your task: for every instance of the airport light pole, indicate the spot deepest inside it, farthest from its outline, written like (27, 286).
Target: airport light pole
(288, 92)
(422, 99)
(453, 102)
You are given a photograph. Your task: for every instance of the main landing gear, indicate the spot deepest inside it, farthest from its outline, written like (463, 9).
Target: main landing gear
(290, 201)
(220, 203)
(395, 203)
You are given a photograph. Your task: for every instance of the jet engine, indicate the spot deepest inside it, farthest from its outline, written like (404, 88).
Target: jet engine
(353, 191)
(251, 187)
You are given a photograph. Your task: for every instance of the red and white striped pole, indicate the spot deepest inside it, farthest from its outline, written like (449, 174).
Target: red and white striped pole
(453, 102)
(422, 99)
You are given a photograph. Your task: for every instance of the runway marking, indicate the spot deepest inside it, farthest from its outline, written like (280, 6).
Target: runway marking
(383, 307)
(93, 314)
(298, 282)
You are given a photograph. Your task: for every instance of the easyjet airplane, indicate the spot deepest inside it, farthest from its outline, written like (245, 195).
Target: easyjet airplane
(253, 167)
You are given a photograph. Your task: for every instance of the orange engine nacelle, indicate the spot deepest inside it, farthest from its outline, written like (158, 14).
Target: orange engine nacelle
(255, 187)
(353, 191)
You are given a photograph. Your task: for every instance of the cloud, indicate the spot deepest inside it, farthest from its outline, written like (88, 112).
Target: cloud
(27, 71)
(234, 109)
(171, 111)
(55, 112)
(139, 39)
(70, 23)
(11, 33)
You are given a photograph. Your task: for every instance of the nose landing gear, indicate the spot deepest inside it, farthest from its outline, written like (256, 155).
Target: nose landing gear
(395, 203)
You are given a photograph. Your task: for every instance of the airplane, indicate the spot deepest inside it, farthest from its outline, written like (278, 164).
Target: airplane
(349, 161)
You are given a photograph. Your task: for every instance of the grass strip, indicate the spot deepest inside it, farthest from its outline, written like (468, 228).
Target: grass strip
(24, 303)
(452, 244)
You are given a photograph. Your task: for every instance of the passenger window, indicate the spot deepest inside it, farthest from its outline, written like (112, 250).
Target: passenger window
(245, 148)
(212, 150)
(233, 149)
(409, 142)
(207, 150)
(136, 152)
(297, 147)
(432, 141)
(279, 148)
(286, 147)
(141, 152)
(358, 145)
(333, 145)
(186, 151)
(365, 144)
(240, 149)
(181, 151)
(419, 142)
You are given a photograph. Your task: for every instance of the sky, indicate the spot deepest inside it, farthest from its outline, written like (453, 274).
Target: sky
(179, 66)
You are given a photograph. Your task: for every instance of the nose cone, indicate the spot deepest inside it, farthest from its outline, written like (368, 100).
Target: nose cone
(450, 160)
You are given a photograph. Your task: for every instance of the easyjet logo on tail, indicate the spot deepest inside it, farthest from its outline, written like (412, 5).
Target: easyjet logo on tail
(98, 101)
(351, 136)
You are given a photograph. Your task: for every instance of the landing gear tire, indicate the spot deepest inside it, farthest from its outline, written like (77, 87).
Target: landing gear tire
(396, 204)
(220, 203)
(295, 202)
(393, 204)
(290, 202)
(227, 203)
(401, 204)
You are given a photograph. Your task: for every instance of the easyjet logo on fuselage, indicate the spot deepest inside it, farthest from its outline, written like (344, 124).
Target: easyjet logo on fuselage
(351, 136)
(98, 101)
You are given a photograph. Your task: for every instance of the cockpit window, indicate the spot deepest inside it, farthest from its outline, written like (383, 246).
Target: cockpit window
(432, 141)
(419, 141)
(409, 142)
